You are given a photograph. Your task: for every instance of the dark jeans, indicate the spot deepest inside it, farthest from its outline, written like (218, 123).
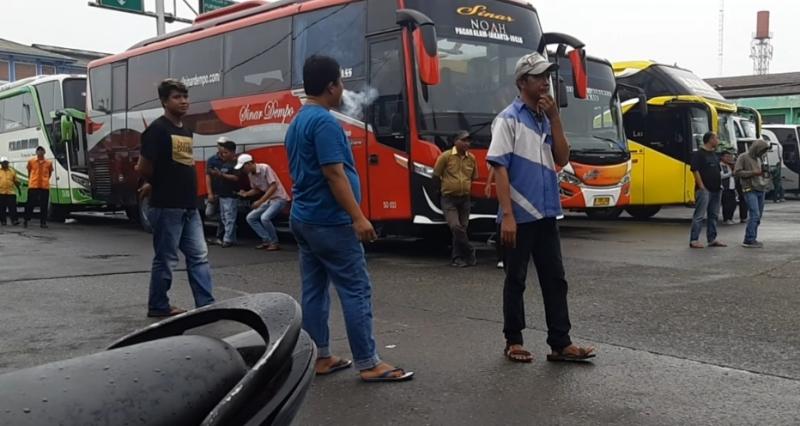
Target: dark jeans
(728, 204)
(173, 230)
(706, 206)
(540, 240)
(37, 198)
(8, 207)
(777, 184)
(333, 256)
(456, 212)
(755, 200)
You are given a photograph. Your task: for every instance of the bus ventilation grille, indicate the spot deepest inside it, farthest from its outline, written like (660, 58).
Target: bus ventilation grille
(102, 177)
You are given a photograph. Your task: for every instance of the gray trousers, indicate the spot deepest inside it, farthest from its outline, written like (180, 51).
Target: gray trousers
(456, 212)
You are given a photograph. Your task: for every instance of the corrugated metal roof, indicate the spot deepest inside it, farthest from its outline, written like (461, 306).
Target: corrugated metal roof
(752, 86)
(12, 48)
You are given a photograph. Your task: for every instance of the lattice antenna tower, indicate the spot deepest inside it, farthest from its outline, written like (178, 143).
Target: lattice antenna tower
(761, 46)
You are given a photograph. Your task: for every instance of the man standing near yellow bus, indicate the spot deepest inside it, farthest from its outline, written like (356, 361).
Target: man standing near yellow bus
(39, 171)
(708, 183)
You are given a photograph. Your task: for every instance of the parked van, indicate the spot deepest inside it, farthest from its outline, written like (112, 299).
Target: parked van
(789, 137)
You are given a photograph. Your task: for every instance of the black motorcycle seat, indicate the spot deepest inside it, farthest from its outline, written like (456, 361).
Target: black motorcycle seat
(171, 381)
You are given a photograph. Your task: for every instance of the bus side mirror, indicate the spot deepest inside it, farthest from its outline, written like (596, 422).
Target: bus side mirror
(643, 104)
(561, 91)
(577, 58)
(425, 43)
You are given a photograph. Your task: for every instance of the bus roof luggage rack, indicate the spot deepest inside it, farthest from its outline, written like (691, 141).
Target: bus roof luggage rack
(222, 18)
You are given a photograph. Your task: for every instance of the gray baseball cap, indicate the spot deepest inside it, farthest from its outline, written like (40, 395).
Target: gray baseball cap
(533, 64)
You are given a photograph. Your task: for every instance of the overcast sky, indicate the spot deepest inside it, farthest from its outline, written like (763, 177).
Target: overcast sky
(669, 31)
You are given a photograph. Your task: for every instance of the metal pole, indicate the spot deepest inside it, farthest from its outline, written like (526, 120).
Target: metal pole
(161, 27)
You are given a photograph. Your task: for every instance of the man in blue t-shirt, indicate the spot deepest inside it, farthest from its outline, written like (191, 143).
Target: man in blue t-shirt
(329, 226)
(528, 142)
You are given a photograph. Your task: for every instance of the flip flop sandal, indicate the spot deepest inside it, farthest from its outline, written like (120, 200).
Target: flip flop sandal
(565, 357)
(509, 353)
(341, 365)
(387, 376)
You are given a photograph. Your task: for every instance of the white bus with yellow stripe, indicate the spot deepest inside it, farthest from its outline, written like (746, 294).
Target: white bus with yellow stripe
(681, 108)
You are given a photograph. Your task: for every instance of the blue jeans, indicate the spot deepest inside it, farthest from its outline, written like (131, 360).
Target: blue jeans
(755, 208)
(175, 229)
(333, 254)
(228, 212)
(260, 219)
(706, 205)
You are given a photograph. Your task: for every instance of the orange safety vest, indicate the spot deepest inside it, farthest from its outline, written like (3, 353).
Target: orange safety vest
(39, 173)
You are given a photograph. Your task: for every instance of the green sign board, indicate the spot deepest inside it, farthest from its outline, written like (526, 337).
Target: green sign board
(209, 5)
(129, 5)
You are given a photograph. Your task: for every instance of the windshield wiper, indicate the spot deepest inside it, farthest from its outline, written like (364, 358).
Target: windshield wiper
(613, 141)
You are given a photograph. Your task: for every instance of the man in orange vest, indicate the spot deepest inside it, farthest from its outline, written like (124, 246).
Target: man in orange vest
(39, 171)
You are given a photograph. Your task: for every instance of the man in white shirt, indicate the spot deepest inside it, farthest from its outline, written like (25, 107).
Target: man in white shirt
(729, 202)
(273, 200)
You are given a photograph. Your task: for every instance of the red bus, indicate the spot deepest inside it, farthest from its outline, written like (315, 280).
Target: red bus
(433, 68)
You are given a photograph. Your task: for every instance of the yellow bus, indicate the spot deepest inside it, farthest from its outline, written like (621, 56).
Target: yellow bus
(681, 107)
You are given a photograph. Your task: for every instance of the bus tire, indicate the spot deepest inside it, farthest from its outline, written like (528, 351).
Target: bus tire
(606, 213)
(138, 214)
(57, 213)
(643, 212)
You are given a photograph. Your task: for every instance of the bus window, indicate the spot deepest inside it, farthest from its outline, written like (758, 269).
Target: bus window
(119, 98)
(145, 73)
(699, 121)
(13, 117)
(663, 129)
(335, 31)
(727, 131)
(258, 59)
(100, 80)
(387, 112)
(47, 102)
(198, 65)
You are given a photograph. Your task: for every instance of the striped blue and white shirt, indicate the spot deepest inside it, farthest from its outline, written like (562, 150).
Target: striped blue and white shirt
(522, 142)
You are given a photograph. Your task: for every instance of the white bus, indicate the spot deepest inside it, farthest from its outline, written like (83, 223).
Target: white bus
(48, 111)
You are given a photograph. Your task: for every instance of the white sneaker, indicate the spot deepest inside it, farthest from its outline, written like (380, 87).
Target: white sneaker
(500, 265)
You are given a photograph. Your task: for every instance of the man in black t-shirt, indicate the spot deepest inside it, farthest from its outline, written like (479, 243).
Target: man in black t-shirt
(167, 163)
(708, 183)
(222, 183)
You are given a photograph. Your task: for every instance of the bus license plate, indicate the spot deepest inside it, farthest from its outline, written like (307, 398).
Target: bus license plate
(602, 201)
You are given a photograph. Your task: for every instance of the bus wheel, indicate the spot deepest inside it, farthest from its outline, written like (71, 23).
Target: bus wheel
(138, 214)
(643, 212)
(606, 213)
(57, 213)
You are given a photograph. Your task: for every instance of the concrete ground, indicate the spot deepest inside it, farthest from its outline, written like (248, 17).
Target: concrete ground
(684, 336)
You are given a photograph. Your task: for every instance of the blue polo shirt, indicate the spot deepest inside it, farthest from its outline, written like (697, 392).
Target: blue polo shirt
(522, 142)
(316, 139)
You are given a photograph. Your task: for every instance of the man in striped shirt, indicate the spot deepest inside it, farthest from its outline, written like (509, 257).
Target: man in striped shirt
(528, 141)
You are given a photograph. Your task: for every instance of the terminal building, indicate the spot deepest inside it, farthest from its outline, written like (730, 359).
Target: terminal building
(18, 61)
(775, 96)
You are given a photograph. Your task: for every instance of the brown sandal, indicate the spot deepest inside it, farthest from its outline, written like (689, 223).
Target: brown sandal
(518, 355)
(582, 354)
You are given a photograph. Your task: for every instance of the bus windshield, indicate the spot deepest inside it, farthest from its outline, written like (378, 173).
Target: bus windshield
(75, 93)
(478, 48)
(727, 131)
(593, 125)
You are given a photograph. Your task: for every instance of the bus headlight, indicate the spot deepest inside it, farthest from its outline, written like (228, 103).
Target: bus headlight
(81, 180)
(423, 170)
(626, 179)
(567, 177)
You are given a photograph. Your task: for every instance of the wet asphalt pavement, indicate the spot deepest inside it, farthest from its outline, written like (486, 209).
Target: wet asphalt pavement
(685, 336)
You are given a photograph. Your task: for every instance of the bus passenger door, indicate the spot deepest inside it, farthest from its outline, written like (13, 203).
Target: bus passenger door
(664, 140)
(387, 132)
